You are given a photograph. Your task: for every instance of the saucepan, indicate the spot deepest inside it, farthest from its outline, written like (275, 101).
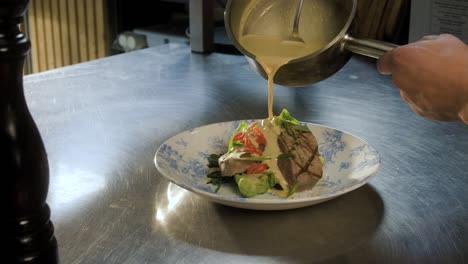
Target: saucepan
(331, 22)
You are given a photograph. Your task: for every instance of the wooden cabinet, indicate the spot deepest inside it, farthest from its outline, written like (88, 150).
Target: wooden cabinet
(65, 32)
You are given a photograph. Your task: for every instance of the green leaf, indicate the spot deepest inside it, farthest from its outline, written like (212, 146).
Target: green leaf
(285, 156)
(215, 178)
(289, 124)
(272, 179)
(214, 174)
(237, 143)
(218, 187)
(302, 128)
(213, 161)
(261, 158)
(292, 190)
(285, 118)
(323, 160)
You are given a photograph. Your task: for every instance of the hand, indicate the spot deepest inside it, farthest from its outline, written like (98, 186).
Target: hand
(432, 75)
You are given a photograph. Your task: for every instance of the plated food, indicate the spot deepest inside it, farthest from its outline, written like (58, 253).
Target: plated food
(280, 155)
(350, 162)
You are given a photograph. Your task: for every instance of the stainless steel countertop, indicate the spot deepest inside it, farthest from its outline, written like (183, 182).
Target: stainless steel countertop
(103, 121)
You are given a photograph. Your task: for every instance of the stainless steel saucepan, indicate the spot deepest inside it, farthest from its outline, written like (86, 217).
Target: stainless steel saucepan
(331, 22)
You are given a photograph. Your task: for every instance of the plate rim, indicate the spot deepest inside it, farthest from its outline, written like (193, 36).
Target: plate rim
(280, 200)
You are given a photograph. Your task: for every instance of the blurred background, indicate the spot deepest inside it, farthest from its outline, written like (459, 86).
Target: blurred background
(65, 32)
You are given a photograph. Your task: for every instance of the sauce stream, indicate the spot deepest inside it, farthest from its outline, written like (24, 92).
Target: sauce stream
(272, 52)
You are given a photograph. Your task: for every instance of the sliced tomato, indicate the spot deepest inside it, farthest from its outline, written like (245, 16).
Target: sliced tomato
(251, 147)
(261, 139)
(253, 150)
(257, 168)
(239, 136)
(248, 143)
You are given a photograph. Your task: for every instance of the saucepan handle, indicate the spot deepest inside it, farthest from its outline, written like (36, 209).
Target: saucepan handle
(368, 47)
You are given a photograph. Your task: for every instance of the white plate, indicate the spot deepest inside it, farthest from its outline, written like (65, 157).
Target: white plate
(350, 163)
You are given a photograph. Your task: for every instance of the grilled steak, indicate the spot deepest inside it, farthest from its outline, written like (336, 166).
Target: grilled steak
(304, 168)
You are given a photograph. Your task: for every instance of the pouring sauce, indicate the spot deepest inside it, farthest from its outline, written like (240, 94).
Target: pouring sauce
(274, 51)
(265, 26)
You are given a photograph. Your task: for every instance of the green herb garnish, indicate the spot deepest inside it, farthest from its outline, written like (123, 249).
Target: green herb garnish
(213, 161)
(217, 179)
(292, 190)
(285, 156)
(289, 123)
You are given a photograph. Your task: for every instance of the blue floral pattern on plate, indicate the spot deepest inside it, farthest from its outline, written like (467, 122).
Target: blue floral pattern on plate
(350, 163)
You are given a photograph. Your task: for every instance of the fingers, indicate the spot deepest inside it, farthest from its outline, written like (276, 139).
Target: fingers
(415, 107)
(423, 71)
(430, 37)
(412, 104)
(437, 37)
(385, 63)
(405, 97)
(463, 114)
(421, 110)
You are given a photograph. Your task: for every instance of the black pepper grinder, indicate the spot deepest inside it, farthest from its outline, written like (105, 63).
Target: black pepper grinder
(27, 231)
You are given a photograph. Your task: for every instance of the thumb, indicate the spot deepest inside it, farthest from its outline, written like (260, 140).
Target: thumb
(385, 63)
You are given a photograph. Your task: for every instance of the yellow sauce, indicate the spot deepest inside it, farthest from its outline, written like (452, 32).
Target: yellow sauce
(265, 26)
(266, 38)
(272, 52)
(272, 149)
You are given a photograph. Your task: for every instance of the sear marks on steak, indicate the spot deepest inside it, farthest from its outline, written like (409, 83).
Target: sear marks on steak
(305, 168)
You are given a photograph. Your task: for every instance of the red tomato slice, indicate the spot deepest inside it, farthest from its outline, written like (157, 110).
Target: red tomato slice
(261, 139)
(239, 136)
(257, 168)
